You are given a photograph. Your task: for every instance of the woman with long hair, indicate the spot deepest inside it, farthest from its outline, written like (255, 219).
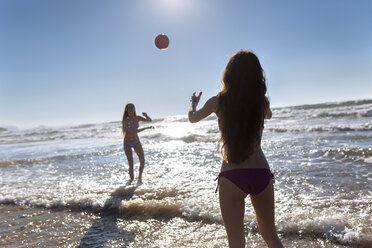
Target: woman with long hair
(241, 108)
(130, 130)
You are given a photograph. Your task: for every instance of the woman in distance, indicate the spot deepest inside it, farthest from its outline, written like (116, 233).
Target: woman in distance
(130, 132)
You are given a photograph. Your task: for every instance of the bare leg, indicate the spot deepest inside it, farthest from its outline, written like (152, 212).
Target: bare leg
(138, 149)
(263, 204)
(128, 153)
(232, 210)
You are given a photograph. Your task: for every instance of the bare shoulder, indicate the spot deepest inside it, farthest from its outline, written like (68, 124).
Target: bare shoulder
(212, 103)
(268, 113)
(139, 118)
(213, 99)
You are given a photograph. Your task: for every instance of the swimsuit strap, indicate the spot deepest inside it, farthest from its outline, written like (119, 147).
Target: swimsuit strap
(218, 183)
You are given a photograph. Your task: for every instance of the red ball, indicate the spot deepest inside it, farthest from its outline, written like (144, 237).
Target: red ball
(161, 41)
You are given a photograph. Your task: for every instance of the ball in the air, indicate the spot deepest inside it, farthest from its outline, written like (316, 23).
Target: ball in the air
(161, 41)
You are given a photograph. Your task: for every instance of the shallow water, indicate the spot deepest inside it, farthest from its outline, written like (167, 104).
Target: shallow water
(68, 186)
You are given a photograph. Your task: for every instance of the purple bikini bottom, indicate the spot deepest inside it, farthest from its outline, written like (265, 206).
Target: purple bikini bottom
(251, 180)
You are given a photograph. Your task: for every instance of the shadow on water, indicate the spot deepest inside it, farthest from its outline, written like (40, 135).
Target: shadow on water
(104, 230)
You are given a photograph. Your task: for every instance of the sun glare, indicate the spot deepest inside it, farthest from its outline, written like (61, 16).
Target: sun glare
(173, 4)
(172, 7)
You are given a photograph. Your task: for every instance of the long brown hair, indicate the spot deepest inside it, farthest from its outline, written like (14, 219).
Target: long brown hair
(241, 106)
(125, 115)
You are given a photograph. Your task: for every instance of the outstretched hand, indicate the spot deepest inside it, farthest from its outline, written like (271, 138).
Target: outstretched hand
(195, 99)
(144, 128)
(144, 114)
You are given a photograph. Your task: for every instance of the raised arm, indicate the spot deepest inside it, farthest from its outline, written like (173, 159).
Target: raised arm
(147, 119)
(144, 128)
(209, 107)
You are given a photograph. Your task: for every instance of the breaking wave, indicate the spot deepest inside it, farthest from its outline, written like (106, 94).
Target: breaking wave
(331, 128)
(328, 228)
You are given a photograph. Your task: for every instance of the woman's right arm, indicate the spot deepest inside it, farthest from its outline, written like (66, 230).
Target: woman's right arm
(144, 128)
(209, 107)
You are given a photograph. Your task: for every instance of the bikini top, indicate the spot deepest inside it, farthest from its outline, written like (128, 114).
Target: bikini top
(131, 127)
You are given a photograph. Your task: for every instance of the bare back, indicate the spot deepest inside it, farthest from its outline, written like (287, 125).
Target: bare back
(255, 160)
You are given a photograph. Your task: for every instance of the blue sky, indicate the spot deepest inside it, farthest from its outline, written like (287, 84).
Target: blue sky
(70, 62)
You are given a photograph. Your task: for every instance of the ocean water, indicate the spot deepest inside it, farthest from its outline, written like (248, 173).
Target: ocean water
(68, 186)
